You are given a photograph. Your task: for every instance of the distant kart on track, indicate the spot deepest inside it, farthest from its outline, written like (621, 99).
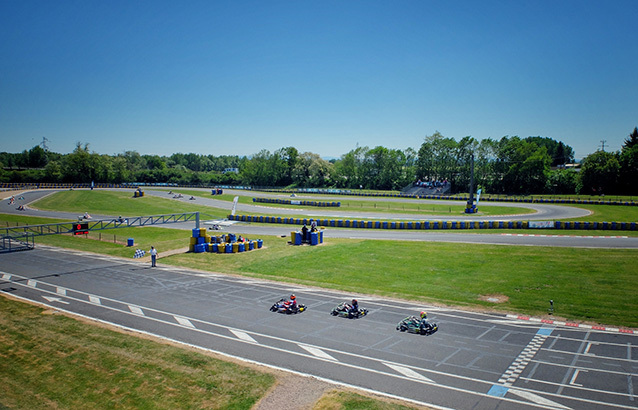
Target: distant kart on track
(412, 324)
(287, 307)
(344, 309)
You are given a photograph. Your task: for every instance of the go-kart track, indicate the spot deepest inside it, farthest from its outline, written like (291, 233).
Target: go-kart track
(474, 361)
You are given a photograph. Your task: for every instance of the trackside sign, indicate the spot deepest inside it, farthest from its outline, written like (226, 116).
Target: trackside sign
(540, 224)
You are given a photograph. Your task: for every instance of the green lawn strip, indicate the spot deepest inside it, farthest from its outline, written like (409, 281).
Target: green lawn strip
(54, 361)
(113, 241)
(597, 285)
(608, 213)
(346, 400)
(120, 203)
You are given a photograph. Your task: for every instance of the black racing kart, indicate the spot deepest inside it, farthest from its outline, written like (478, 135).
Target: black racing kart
(285, 306)
(412, 324)
(345, 310)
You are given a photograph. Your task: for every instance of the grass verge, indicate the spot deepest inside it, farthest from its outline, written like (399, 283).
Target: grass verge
(345, 400)
(54, 361)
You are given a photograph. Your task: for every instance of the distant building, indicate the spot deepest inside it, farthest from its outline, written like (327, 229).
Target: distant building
(235, 170)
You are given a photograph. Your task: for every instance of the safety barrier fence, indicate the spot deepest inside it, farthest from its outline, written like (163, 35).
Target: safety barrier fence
(293, 202)
(427, 225)
(46, 185)
(13, 244)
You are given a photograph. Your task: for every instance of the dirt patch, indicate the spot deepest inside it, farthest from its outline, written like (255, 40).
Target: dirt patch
(496, 298)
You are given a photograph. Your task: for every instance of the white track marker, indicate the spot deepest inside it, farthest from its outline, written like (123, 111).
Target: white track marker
(54, 299)
(537, 399)
(136, 310)
(184, 322)
(6, 276)
(95, 300)
(32, 283)
(243, 336)
(60, 291)
(316, 352)
(408, 372)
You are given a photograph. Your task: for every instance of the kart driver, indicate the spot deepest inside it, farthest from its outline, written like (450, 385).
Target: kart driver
(292, 303)
(354, 307)
(424, 324)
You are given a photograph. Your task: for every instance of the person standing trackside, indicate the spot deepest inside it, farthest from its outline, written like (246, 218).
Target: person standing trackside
(153, 252)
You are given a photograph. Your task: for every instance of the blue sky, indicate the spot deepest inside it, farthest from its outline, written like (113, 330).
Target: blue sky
(236, 77)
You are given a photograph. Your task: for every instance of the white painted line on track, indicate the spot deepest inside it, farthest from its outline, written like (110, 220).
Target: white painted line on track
(32, 283)
(60, 291)
(95, 300)
(574, 376)
(537, 399)
(136, 310)
(317, 352)
(243, 336)
(408, 372)
(184, 322)
(6, 276)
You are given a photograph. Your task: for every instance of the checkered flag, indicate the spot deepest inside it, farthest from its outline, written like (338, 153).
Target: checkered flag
(139, 253)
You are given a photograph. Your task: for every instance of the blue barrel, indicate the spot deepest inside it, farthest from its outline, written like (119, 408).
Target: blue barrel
(130, 242)
(298, 238)
(195, 233)
(214, 248)
(259, 243)
(251, 245)
(242, 247)
(200, 248)
(314, 238)
(228, 248)
(320, 236)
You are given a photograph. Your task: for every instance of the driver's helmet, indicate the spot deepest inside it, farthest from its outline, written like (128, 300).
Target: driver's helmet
(354, 302)
(424, 315)
(293, 297)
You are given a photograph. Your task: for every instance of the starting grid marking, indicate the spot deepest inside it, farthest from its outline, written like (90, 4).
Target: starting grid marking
(571, 324)
(520, 363)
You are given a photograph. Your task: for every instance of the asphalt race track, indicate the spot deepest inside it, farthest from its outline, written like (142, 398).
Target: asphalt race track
(475, 361)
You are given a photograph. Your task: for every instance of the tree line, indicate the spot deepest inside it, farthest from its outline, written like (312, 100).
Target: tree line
(510, 165)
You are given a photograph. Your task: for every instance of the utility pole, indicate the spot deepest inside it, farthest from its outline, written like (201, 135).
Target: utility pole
(603, 144)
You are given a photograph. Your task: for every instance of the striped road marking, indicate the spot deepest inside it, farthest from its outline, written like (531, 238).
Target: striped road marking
(184, 322)
(95, 300)
(6, 276)
(32, 283)
(408, 372)
(243, 336)
(317, 352)
(60, 291)
(136, 310)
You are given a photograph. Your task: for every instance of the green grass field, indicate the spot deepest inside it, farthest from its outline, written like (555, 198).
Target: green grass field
(50, 361)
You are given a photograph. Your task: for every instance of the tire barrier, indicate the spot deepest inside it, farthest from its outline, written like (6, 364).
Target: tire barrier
(201, 241)
(312, 238)
(453, 197)
(293, 202)
(451, 225)
(217, 191)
